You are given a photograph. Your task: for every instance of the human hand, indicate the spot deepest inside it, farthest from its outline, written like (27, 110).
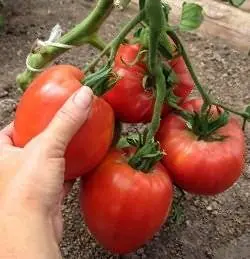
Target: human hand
(32, 179)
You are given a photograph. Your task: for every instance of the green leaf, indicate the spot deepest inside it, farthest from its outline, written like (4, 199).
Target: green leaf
(126, 141)
(191, 17)
(236, 3)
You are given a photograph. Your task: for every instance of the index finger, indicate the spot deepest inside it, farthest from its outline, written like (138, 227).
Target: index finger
(6, 134)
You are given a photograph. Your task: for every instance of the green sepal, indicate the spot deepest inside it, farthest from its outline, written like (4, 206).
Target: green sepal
(100, 81)
(204, 125)
(171, 79)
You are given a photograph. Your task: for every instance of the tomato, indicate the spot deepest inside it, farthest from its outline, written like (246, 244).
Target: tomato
(130, 100)
(126, 54)
(123, 207)
(44, 97)
(205, 167)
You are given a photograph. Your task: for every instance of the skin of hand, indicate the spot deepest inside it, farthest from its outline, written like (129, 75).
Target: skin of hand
(32, 184)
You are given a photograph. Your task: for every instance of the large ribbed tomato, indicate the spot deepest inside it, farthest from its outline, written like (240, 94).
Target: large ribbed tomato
(124, 207)
(202, 166)
(46, 94)
(129, 99)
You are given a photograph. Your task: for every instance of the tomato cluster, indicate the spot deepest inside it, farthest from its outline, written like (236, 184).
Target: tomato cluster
(123, 206)
(130, 99)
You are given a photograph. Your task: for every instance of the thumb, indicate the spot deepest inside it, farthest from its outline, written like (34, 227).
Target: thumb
(69, 119)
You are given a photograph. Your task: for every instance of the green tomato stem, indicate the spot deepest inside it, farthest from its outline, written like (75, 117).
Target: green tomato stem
(156, 22)
(84, 32)
(161, 92)
(205, 96)
(114, 44)
(123, 33)
(188, 63)
(150, 146)
(228, 109)
(148, 154)
(97, 42)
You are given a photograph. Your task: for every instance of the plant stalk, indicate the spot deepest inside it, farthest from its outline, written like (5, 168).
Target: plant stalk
(123, 33)
(205, 96)
(181, 48)
(84, 32)
(114, 44)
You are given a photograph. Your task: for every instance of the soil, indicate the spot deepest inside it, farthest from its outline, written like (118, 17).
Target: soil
(216, 227)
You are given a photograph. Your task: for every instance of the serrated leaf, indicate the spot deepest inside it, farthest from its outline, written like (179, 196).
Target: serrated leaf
(237, 3)
(191, 17)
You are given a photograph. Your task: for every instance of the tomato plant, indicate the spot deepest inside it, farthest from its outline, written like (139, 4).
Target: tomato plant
(42, 100)
(131, 99)
(128, 195)
(202, 165)
(124, 207)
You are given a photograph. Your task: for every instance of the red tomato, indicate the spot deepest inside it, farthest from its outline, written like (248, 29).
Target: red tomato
(200, 166)
(123, 207)
(46, 94)
(130, 100)
(127, 54)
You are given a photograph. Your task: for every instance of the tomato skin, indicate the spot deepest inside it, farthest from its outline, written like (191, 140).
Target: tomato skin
(44, 97)
(130, 103)
(127, 53)
(133, 103)
(199, 166)
(185, 83)
(132, 205)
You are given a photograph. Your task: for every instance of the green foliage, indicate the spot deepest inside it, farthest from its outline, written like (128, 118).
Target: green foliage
(191, 17)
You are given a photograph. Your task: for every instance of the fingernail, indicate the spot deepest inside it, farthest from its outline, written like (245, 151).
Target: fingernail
(83, 97)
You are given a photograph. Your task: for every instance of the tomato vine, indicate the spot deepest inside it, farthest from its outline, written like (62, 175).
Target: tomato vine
(155, 35)
(145, 79)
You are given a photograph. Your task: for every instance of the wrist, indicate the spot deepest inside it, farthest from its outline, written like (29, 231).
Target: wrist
(27, 234)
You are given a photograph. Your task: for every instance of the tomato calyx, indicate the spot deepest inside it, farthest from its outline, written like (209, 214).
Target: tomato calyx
(101, 81)
(147, 153)
(205, 123)
(171, 79)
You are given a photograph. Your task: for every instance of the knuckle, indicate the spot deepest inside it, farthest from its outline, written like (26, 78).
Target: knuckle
(66, 115)
(50, 146)
(55, 146)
